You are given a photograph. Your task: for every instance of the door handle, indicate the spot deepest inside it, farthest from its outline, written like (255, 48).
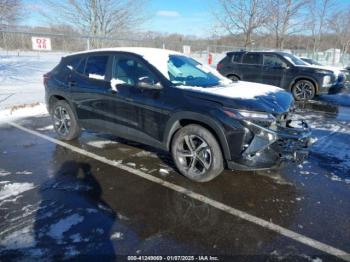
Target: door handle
(72, 83)
(129, 99)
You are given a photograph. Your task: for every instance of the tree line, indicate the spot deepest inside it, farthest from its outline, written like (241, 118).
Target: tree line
(282, 24)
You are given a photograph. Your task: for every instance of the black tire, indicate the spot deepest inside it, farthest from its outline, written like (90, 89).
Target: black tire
(233, 78)
(196, 153)
(64, 121)
(303, 90)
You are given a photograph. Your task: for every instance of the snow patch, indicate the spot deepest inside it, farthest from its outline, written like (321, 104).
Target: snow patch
(22, 238)
(25, 172)
(14, 189)
(101, 144)
(117, 235)
(4, 173)
(45, 128)
(23, 111)
(163, 171)
(57, 230)
(239, 89)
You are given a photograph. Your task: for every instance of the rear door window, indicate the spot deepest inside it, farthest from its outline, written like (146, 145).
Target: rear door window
(252, 58)
(96, 67)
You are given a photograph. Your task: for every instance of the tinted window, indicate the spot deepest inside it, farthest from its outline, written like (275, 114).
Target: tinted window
(81, 67)
(236, 58)
(129, 71)
(96, 67)
(251, 59)
(273, 61)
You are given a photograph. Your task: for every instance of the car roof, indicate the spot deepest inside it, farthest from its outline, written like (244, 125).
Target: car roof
(155, 56)
(262, 52)
(142, 51)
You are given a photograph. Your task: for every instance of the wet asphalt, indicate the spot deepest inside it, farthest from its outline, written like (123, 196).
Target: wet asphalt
(78, 207)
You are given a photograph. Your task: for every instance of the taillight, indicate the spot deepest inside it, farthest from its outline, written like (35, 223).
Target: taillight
(219, 66)
(46, 78)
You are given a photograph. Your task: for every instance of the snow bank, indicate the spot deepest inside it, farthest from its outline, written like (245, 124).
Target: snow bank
(22, 111)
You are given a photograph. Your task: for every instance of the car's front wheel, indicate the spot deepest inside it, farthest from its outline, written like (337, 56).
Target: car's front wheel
(64, 121)
(196, 153)
(303, 90)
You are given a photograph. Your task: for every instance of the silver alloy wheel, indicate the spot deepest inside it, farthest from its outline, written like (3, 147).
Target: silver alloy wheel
(62, 121)
(303, 90)
(194, 154)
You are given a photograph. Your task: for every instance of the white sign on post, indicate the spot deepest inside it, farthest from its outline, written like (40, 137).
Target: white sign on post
(186, 49)
(41, 43)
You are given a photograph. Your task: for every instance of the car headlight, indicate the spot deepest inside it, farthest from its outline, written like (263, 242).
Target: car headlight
(327, 80)
(249, 115)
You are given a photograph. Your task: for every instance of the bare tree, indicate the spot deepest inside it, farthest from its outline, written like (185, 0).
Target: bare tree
(339, 23)
(319, 11)
(10, 11)
(285, 19)
(96, 17)
(242, 16)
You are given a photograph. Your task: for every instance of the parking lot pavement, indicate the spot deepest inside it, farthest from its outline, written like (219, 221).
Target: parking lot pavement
(102, 196)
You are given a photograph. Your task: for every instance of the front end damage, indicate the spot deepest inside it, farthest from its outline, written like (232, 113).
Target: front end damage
(269, 145)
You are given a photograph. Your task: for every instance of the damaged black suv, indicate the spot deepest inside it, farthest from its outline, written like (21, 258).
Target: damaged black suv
(172, 102)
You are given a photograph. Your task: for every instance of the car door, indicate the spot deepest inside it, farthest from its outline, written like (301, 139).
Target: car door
(89, 86)
(143, 106)
(274, 70)
(251, 67)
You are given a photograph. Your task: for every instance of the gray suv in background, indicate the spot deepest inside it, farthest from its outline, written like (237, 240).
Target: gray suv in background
(281, 69)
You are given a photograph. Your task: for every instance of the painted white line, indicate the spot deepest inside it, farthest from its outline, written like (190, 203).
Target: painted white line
(230, 210)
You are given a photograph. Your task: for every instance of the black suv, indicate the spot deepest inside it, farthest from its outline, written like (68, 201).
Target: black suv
(283, 70)
(172, 102)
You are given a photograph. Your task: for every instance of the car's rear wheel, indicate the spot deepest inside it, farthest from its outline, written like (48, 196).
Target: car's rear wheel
(196, 153)
(233, 77)
(64, 121)
(303, 90)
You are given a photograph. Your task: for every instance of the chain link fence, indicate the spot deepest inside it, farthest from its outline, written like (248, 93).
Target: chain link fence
(19, 42)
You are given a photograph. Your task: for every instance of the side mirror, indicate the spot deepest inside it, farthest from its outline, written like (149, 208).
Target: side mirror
(147, 83)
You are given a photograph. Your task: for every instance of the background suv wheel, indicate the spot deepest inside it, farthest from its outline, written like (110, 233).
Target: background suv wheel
(64, 121)
(303, 90)
(196, 153)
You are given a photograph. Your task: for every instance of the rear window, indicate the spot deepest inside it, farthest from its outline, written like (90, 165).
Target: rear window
(252, 59)
(96, 67)
(76, 63)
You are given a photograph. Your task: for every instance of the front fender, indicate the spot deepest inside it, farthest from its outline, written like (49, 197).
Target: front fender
(174, 124)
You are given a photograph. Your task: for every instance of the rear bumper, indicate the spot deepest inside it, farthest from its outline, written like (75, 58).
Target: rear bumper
(270, 148)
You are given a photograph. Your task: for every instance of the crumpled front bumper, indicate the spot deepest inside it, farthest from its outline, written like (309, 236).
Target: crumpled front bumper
(270, 147)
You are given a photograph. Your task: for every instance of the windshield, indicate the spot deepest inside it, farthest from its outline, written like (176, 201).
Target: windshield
(187, 71)
(293, 59)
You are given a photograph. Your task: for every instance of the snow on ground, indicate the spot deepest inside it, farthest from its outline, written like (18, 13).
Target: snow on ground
(101, 144)
(21, 238)
(13, 189)
(22, 111)
(21, 76)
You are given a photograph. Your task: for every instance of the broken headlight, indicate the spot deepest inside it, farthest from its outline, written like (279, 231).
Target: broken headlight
(249, 115)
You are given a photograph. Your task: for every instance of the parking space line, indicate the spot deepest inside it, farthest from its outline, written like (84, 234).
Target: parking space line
(218, 205)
